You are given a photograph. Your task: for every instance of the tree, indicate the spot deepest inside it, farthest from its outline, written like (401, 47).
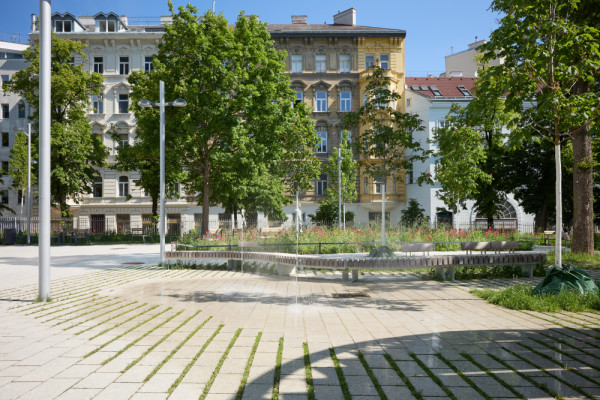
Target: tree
(328, 210)
(75, 151)
(551, 57)
(470, 151)
(385, 145)
(238, 125)
(2, 206)
(414, 214)
(19, 165)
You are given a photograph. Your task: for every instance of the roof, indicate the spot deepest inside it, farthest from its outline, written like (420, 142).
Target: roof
(441, 87)
(325, 30)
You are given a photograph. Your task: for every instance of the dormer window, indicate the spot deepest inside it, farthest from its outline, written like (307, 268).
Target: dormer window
(435, 90)
(106, 25)
(63, 26)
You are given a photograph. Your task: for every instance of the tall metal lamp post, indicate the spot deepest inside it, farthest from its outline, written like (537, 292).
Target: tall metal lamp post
(161, 104)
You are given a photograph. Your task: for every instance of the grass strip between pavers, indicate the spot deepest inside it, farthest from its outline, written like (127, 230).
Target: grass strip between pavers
(127, 331)
(413, 390)
(570, 355)
(555, 322)
(562, 341)
(130, 344)
(102, 332)
(560, 363)
(53, 307)
(94, 308)
(535, 383)
(433, 377)
(191, 363)
(463, 376)
(570, 321)
(80, 307)
(564, 382)
(310, 387)
(374, 380)
(493, 376)
(100, 315)
(215, 372)
(176, 349)
(277, 372)
(340, 374)
(149, 349)
(117, 316)
(240, 392)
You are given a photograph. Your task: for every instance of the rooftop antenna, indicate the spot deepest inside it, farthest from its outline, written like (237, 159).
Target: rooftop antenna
(451, 49)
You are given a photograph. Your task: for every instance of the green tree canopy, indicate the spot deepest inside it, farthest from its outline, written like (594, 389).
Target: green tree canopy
(75, 151)
(238, 141)
(551, 58)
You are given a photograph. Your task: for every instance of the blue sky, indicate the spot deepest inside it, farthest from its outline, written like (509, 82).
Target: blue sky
(432, 27)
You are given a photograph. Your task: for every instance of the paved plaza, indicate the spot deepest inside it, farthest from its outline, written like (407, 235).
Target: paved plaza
(119, 327)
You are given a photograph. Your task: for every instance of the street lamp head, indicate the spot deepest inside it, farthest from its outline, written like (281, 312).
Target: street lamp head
(145, 103)
(179, 103)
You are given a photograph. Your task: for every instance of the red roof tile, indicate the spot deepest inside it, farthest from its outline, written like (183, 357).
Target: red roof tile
(448, 87)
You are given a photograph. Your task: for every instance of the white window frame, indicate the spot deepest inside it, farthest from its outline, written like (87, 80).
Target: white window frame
(97, 104)
(321, 185)
(384, 64)
(123, 186)
(94, 191)
(344, 63)
(120, 101)
(345, 100)
(99, 64)
(322, 145)
(320, 63)
(296, 63)
(321, 101)
(369, 61)
(148, 65)
(124, 65)
(366, 185)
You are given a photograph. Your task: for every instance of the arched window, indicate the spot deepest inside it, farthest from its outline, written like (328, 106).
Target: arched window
(123, 186)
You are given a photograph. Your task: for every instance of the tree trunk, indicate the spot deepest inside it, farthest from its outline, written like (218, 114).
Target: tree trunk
(541, 218)
(583, 196)
(205, 203)
(155, 207)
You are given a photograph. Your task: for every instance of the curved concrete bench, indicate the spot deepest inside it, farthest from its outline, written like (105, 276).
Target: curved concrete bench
(444, 264)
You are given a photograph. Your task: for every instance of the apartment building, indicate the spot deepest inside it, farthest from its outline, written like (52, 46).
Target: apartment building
(14, 117)
(327, 66)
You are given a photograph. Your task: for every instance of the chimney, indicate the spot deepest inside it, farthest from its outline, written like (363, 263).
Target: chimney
(299, 19)
(347, 17)
(33, 23)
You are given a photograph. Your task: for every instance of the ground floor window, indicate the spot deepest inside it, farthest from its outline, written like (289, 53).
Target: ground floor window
(123, 223)
(97, 223)
(173, 224)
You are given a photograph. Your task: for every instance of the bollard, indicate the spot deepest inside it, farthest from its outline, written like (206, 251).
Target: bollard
(354, 275)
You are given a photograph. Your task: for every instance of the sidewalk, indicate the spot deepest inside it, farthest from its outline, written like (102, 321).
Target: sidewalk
(135, 331)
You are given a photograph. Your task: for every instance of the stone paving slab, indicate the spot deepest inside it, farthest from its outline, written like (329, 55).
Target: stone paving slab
(405, 331)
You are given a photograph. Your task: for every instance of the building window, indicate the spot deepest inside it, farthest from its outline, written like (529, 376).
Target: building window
(299, 96)
(97, 192)
(296, 64)
(320, 63)
(4, 139)
(107, 25)
(345, 101)
(384, 61)
(321, 100)
(344, 63)
(21, 109)
(322, 145)
(148, 66)
(378, 184)
(98, 104)
(97, 223)
(464, 91)
(4, 196)
(5, 79)
(124, 65)
(123, 103)
(123, 223)
(63, 26)
(366, 187)
(369, 61)
(123, 186)
(410, 176)
(5, 167)
(123, 140)
(5, 111)
(321, 184)
(99, 65)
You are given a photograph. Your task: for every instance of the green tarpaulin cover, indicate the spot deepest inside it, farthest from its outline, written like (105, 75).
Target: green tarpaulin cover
(566, 277)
